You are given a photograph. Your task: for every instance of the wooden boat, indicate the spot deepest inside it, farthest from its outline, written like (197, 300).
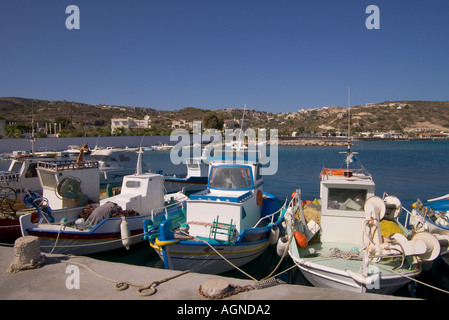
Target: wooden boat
(225, 226)
(115, 222)
(360, 245)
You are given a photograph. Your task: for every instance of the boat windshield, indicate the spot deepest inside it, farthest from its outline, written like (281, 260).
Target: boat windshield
(346, 199)
(230, 178)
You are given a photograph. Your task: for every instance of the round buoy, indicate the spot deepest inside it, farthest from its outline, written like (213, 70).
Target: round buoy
(300, 239)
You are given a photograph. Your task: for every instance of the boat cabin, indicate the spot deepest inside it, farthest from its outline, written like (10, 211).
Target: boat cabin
(196, 167)
(140, 192)
(232, 201)
(343, 195)
(22, 175)
(69, 184)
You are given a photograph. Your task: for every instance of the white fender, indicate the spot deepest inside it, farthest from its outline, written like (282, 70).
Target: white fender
(273, 236)
(281, 246)
(124, 230)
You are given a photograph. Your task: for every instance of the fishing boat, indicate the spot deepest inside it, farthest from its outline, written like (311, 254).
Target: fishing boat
(22, 182)
(162, 147)
(432, 216)
(351, 239)
(112, 223)
(226, 225)
(115, 163)
(195, 179)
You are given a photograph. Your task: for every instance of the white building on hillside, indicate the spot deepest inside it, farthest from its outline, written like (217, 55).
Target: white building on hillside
(130, 123)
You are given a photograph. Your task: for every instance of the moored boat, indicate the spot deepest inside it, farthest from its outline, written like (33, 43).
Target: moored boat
(353, 240)
(115, 163)
(225, 226)
(112, 223)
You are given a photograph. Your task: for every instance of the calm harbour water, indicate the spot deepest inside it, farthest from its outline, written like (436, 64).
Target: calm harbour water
(406, 169)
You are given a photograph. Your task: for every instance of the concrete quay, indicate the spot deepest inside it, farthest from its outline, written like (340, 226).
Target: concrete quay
(59, 276)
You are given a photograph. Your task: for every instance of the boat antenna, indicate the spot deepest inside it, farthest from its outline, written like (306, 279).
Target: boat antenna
(349, 153)
(139, 162)
(240, 144)
(32, 139)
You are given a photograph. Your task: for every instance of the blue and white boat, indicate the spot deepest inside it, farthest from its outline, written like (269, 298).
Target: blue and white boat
(67, 227)
(227, 225)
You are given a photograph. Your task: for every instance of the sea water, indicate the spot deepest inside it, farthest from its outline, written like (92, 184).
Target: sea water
(406, 169)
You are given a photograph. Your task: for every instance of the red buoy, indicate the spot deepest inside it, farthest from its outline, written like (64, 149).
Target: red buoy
(301, 240)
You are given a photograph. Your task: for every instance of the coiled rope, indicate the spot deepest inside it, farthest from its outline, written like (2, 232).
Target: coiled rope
(142, 290)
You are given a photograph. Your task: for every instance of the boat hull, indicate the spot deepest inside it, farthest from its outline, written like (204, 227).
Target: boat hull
(339, 273)
(105, 236)
(199, 257)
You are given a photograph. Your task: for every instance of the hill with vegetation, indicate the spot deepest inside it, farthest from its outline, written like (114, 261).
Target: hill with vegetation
(80, 119)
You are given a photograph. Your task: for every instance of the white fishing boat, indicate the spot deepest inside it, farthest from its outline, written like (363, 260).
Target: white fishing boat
(21, 180)
(227, 225)
(112, 223)
(22, 175)
(353, 239)
(162, 147)
(115, 163)
(195, 179)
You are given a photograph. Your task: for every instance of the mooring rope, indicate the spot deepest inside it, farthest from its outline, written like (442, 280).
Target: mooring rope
(123, 285)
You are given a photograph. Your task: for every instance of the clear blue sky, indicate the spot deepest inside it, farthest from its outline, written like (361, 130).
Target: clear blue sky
(272, 55)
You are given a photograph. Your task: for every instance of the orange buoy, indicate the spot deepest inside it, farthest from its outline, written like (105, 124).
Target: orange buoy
(301, 240)
(259, 198)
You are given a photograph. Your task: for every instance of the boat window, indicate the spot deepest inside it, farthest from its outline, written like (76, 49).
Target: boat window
(124, 157)
(48, 179)
(16, 167)
(99, 157)
(346, 199)
(31, 172)
(193, 165)
(258, 174)
(230, 178)
(132, 184)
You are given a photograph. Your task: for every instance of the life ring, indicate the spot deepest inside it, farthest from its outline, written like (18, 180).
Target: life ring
(259, 197)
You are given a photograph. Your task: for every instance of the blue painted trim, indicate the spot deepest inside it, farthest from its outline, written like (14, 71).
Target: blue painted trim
(205, 195)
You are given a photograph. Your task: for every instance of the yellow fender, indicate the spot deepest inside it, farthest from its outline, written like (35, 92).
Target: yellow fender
(165, 243)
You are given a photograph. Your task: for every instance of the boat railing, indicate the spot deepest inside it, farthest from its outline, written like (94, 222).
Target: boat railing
(272, 215)
(67, 165)
(6, 176)
(167, 208)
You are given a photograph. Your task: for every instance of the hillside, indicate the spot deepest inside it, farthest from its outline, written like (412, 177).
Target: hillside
(401, 116)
